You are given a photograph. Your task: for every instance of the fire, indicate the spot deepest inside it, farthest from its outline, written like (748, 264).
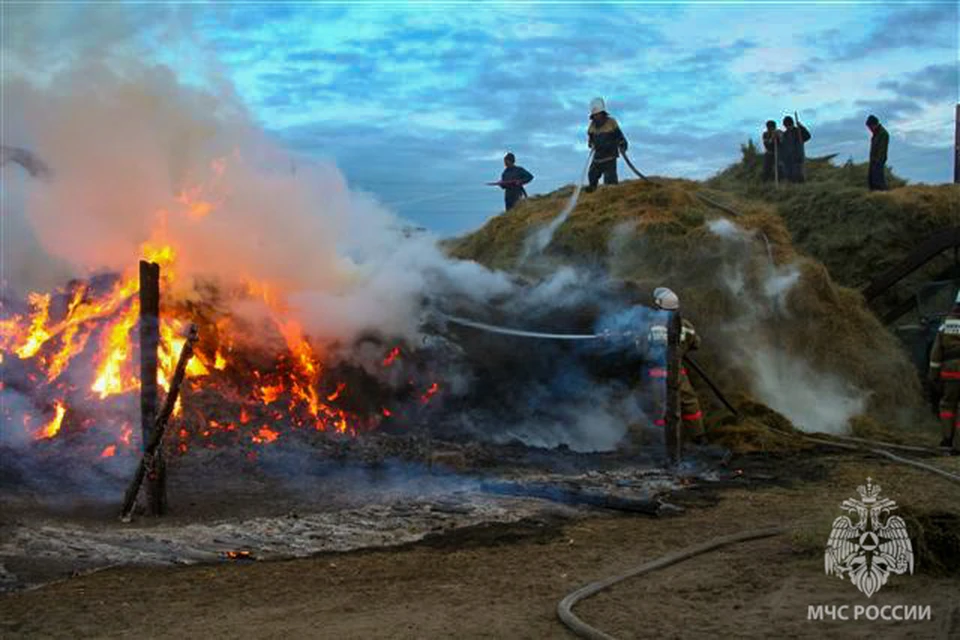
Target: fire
(265, 435)
(37, 333)
(111, 378)
(336, 394)
(52, 428)
(270, 393)
(434, 388)
(95, 323)
(393, 355)
(171, 343)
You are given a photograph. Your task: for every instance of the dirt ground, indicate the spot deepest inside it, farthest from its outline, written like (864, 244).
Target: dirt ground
(505, 581)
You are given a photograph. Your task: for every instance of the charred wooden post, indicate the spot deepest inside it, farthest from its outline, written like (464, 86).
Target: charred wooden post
(159, 426)
(674, 439)
(149, 343)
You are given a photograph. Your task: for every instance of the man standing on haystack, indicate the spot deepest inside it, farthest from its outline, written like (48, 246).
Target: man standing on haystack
(512, 180)
(771, 155)
(879, 141)
(791, 149)
(944, 376)
(607, 141)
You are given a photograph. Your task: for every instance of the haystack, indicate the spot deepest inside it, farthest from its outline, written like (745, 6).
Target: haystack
(766, 311)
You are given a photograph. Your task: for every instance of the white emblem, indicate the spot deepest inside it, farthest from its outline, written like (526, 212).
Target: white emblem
(870, 550)
(658, 334)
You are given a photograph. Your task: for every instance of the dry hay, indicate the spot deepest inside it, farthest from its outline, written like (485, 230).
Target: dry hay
(649, 236)
(856, 233)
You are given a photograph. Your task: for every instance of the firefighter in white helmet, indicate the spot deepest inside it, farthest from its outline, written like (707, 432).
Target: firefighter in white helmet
(607, 141)
(656, 370)
(944, 375)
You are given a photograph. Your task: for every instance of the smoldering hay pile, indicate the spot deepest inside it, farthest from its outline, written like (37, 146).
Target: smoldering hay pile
(776, 329)
(309, 299)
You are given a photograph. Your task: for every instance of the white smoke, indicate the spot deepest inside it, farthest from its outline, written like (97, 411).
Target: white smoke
(141, 153)
(136, 149)
(812, 400)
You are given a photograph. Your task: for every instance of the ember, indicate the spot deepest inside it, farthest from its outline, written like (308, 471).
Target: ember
(393, 355)
(430, 393)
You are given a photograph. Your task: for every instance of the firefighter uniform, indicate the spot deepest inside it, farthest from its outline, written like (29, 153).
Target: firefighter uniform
(607, 141)
(945, 372)
(655, 378)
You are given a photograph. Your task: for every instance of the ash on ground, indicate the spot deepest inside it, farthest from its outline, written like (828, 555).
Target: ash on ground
(335, 495)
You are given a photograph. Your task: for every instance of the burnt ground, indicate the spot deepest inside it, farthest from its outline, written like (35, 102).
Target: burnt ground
(504, 579)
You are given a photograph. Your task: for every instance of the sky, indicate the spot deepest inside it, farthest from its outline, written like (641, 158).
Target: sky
(418, 102)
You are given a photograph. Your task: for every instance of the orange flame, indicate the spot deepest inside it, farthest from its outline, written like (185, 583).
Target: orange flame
(52, 428)
(109, 451)
(111, 379)
(270, 393)
(265, 435)
(336, 394)
(38, 333)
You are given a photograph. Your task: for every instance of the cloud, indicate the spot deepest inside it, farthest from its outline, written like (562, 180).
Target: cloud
(931, 26)
(933, 83)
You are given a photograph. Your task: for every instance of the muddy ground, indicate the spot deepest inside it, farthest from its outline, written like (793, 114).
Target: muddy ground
(504, 580)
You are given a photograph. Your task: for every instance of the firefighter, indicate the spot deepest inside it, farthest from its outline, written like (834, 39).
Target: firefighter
(944, 376)
(655, 369)
(791, 149)
(771, 156)
(607, 141)
(512, 180)
(879, 141)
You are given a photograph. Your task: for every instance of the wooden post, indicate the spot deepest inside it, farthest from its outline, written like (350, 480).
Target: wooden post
(672, 426)
(956, 147)
(149, 343)
(154, 445)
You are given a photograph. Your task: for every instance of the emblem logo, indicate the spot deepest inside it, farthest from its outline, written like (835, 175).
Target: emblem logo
(870, 550)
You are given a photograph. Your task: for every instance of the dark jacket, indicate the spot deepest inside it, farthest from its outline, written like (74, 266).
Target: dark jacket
(606, 140)
(791, 145)
(768, 140)
(878, 145)
(515, 173)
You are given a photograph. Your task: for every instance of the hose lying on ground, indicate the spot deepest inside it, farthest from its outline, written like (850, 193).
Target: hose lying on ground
(582, 629)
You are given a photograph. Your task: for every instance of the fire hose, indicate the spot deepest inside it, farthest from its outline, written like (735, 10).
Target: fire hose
(582, 629)
(712, 203)
(483, 326)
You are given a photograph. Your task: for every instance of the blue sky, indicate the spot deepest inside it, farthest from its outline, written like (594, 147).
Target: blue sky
(418, 102)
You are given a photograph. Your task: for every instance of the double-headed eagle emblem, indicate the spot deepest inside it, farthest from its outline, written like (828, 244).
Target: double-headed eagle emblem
(873, 548)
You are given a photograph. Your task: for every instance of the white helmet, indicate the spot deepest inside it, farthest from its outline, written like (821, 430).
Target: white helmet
(596, 106)
(664, 298)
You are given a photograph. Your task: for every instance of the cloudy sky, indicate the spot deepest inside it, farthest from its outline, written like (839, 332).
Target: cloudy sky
(417, 102)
